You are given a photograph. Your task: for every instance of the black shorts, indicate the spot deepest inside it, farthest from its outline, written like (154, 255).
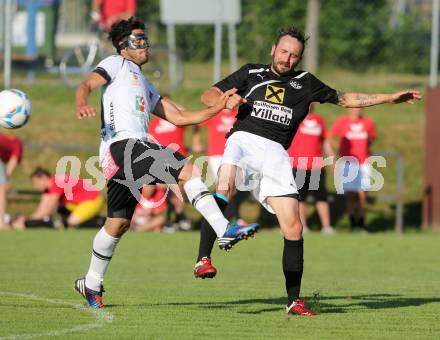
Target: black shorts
(310, 182)
(139, 163)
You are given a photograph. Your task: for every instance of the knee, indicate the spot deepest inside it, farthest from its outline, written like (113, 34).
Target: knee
(293, 230)
(117, 228)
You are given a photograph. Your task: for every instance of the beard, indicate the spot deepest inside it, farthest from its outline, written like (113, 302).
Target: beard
(282, 68)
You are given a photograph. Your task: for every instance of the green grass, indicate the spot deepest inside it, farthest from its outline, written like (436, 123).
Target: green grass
(363, 286)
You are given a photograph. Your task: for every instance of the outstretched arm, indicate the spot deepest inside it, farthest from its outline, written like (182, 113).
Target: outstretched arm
(83, 109)
(353, 99)
(167, 110)
(212, 94)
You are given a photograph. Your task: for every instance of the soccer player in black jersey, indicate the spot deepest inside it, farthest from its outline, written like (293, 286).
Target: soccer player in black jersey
(273, 100)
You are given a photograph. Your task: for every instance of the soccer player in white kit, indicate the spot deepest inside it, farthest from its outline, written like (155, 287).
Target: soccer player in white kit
(273, 100)
(128, 160)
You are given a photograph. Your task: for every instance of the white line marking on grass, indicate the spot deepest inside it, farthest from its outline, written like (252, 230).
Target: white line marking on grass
(102, 318)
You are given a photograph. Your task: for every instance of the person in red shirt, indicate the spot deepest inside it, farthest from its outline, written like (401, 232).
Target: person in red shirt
(356, 133)
(108, 12)
(217, 127)
(306, 153)
(82, 200)
(148, 214)
(11, 152)
(164, 133)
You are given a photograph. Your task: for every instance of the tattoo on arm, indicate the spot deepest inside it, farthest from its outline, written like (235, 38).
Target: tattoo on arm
(365, 99)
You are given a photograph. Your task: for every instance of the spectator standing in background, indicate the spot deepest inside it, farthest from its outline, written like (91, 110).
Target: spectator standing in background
(108, 12)
(11, 152)
(306, 153)
(356, 133)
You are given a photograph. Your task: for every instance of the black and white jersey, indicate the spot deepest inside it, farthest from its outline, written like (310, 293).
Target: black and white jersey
(276, 104)
(127, 101)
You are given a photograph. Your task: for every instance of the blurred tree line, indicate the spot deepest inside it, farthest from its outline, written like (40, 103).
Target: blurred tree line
(354, 34)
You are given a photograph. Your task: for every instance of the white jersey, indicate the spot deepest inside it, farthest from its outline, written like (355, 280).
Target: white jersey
(127, 101)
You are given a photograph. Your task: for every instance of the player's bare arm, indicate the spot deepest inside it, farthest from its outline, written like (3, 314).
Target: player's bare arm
(210, 96)
(354, 99)
(166, 109)
(83, 109)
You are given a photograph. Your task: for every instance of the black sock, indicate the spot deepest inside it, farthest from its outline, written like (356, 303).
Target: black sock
(293, 268)
(179, 217)
(207, 234)
(352, 221)
(232, 211)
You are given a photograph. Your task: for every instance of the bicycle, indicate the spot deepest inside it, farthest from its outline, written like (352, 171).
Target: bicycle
(80, 60)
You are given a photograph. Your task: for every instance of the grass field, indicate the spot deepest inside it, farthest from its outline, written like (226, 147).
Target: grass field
(380, 286)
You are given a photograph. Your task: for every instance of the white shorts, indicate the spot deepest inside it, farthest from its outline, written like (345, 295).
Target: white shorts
(351, 176)
(265, 164)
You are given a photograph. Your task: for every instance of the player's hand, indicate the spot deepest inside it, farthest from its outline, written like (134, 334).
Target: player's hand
(85, 111)
(234, 101)
(223, 100)
(409, 96)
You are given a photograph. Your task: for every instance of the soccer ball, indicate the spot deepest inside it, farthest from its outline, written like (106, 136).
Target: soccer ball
(15, 108)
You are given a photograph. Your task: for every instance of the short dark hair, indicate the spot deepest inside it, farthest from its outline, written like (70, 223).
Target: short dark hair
(40, 172)
(294, 32)
(122, 29)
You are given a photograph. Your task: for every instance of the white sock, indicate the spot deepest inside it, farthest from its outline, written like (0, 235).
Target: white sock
(103, 248)
(200, 197)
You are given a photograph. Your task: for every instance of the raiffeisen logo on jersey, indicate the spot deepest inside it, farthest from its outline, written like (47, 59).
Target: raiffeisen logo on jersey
(275, 94)
(272, 112)
(140, 103)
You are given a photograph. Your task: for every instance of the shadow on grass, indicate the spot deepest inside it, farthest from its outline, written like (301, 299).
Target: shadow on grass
(321, 304)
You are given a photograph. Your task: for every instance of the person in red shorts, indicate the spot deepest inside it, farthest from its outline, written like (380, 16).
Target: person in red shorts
(149, 213)
(11, 152)
(108, 12)
(306, 153)
(82, 200)
(164, 133)
(356, 133)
